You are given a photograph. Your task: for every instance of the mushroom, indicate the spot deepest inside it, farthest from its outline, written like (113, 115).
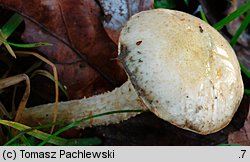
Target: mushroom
(179, 68)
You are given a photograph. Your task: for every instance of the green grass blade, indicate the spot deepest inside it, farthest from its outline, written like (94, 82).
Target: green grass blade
(233, 41)
(51, 77)
(203, 16)
(32, 45)
(93, 141)
(10, 26)
(33, 132)
(8, 47)
(219, 25)
(247, 91)
(164, 4)
(186, 2)
(84, 119)
(25, 140)
(244, 70)
(33, 67)
(242, 27)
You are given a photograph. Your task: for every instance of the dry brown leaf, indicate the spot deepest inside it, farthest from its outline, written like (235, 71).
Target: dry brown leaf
(117, 12)
(242, 136)
(82, 51)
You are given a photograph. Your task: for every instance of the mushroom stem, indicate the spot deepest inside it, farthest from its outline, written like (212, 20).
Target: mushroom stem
(122, 98)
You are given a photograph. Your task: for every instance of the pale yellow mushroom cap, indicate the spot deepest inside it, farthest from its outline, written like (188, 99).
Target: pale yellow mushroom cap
(183, 69)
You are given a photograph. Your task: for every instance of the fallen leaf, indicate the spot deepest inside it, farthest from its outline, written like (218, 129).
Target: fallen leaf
(242, 136)
(117, 13)
(82, 51)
